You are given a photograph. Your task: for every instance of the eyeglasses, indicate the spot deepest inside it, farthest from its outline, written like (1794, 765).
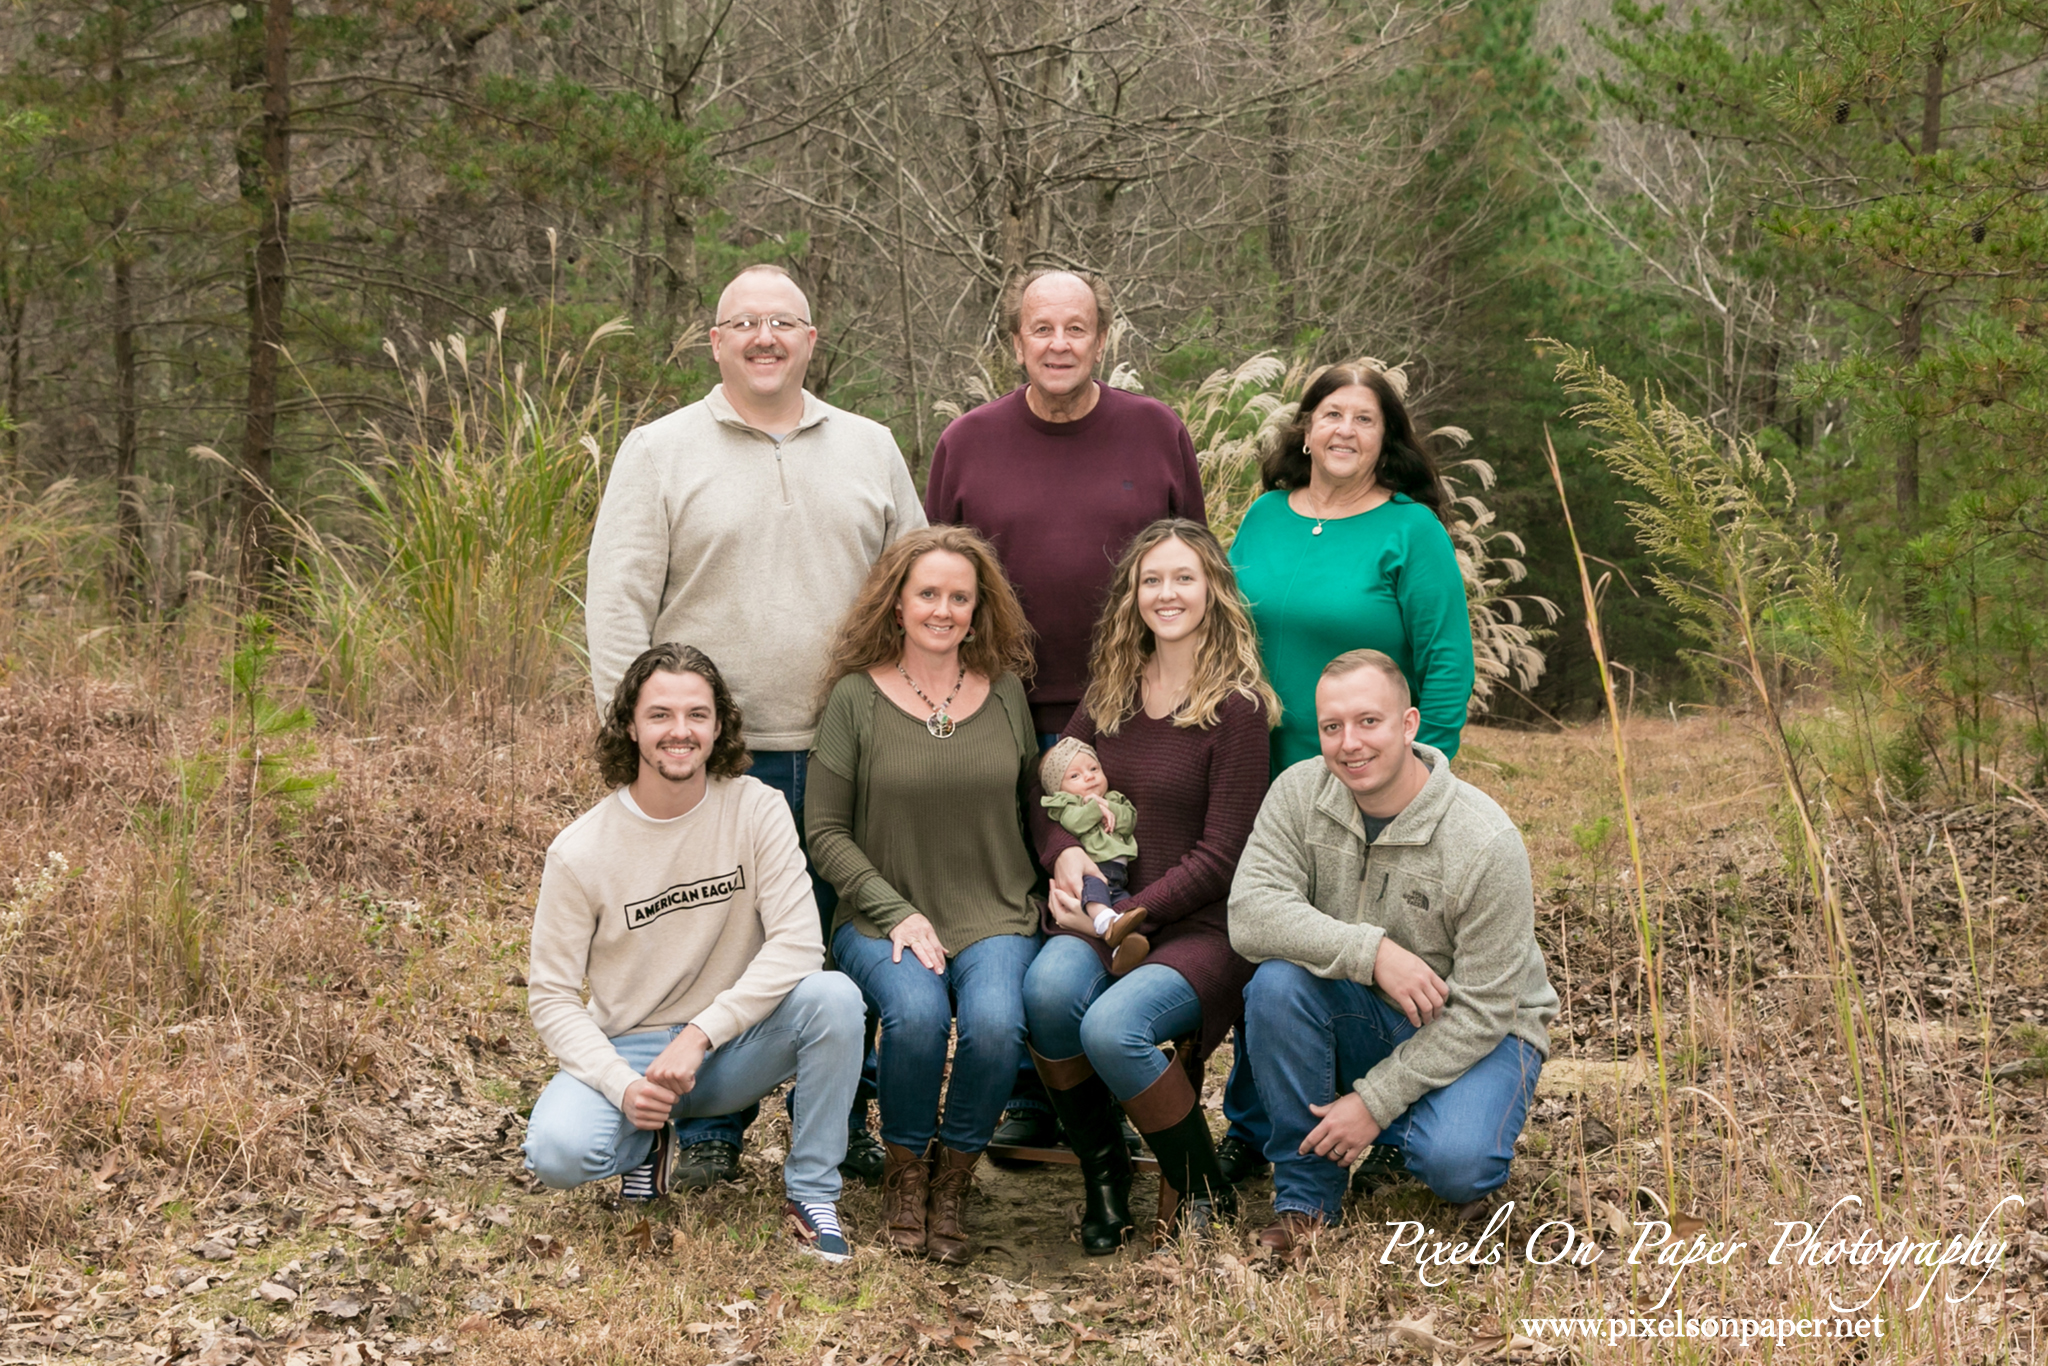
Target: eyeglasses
(778, 324)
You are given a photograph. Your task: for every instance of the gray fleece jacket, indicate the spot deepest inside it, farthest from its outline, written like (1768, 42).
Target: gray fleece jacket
(1448, 880)
(714, 534)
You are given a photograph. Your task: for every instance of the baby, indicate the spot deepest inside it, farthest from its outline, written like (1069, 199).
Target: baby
(1078, 796)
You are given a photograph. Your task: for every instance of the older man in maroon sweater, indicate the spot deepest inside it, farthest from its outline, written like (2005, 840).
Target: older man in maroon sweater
(1059, 475)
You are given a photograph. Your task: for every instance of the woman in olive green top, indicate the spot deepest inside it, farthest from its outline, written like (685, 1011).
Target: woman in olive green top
(912, 813)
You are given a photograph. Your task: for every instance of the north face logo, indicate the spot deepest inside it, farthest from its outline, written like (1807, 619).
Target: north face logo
(1417, 898)
(703, 892)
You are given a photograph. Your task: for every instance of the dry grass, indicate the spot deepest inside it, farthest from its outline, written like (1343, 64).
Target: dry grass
(320, 1055)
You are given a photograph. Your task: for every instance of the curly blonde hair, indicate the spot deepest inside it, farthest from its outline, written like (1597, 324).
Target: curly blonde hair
(1226, 663)
(1000, 639)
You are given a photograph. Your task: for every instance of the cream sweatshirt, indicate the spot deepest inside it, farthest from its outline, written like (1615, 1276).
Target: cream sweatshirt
(707, 918)
(714, 534)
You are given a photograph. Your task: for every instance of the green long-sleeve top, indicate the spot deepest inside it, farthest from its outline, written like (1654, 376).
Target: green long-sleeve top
(1387, 580)
(901, 822)
(1082, 818)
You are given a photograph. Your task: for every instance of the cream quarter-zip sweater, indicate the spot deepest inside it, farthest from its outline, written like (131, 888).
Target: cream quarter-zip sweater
(714, 534)
(1448, 881)
(707, 918)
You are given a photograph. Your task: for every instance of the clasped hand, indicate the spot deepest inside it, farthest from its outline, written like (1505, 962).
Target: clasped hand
(1417, 991)
(1345, 1129)
(670, 1077)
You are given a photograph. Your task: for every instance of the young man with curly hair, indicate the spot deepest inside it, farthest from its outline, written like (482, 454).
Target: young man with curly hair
(682, 898)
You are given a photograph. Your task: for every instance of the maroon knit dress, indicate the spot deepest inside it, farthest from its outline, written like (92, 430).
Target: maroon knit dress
(1197, 791)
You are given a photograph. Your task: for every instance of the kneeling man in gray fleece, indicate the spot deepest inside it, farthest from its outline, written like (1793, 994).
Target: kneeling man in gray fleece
(1401, 1001)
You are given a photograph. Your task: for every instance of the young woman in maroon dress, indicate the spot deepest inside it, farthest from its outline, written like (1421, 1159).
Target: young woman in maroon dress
(1179, 712)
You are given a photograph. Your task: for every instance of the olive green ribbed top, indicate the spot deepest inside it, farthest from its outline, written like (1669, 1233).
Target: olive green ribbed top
(900, 821)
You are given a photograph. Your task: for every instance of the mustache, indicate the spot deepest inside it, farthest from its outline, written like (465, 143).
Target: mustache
(770, 349)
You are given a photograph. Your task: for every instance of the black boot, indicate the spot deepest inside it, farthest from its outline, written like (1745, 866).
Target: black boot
(1087, 1111)
(1193, 1196)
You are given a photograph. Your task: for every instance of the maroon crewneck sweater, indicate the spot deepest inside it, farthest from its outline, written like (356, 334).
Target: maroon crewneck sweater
(1197, 793)
(1060, 501)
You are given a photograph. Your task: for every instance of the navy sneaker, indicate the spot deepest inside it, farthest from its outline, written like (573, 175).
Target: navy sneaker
(815, 1226)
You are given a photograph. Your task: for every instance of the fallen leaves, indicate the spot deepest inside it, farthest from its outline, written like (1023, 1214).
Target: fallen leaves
(1420, 1334)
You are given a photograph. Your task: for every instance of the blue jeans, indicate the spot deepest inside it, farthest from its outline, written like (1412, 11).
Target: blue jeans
(783, 770)
(1309, 1039)
(1072, 1005)
(1241, 1107)
(576, 1135)
(1028, 1092)
(983, 986)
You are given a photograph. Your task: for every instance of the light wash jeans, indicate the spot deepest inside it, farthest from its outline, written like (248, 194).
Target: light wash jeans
(983, 987)
(784, 770)
(1309, 1039)
(576, 1135)
(1072, 1005)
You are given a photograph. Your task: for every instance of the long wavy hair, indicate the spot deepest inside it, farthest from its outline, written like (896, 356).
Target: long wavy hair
(1001, 640)
(618, 757)
(1227, 661)
(1405, 464)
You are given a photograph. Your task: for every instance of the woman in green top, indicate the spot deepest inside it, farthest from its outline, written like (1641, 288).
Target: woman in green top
(922, 753)
(1347, 550)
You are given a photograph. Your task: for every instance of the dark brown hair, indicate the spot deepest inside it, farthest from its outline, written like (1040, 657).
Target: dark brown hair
(1405, 465)
(1002, 640)
(1013, 296)
(618, 757)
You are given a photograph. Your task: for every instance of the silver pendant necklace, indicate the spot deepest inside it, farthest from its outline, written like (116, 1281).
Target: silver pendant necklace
(940, 723)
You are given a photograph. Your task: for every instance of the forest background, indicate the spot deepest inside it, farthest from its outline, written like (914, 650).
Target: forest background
(320, 323)
(247, 228)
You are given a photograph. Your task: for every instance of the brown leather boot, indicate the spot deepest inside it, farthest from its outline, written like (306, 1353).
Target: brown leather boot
(945, 1221)
(905, 1178)
(1290, 1236)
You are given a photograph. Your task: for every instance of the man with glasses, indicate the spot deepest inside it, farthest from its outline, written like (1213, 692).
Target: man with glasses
(745, 523)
